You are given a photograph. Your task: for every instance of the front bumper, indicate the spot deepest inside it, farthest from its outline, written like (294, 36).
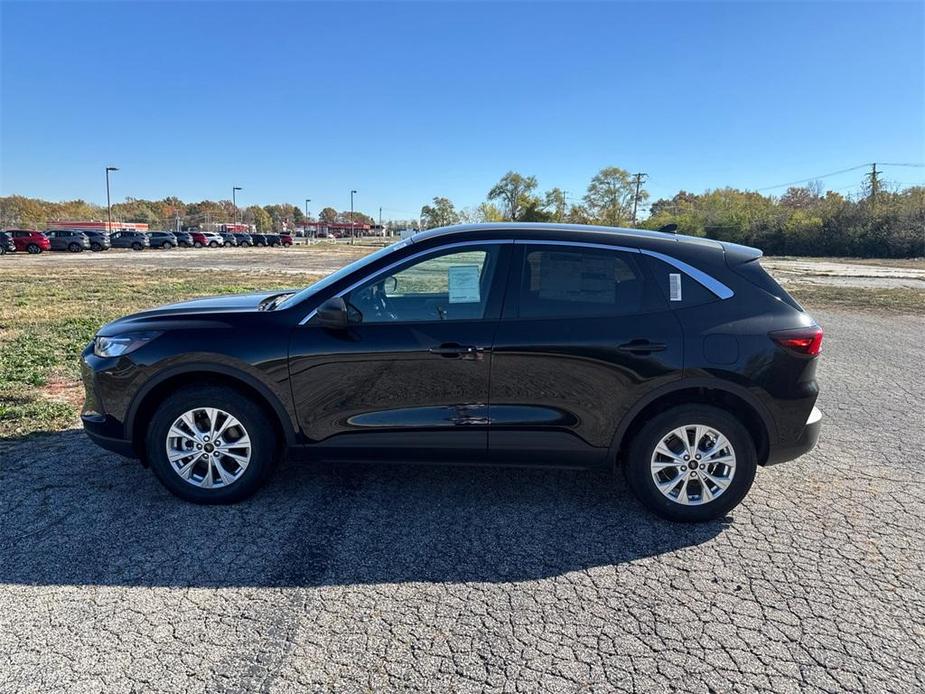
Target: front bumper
(103, 429)
(804, 444)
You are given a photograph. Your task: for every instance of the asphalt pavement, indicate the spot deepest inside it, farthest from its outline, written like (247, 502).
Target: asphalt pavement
(403, 578)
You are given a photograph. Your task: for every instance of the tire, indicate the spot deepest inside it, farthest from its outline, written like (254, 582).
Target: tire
(263, 448)
(213, 244)
(197, 244)
(74, 247)
(183, 244)
(137, 246)
(276, 244)
(167, 245)
(96, 247)
(641, 458)
(33, 248)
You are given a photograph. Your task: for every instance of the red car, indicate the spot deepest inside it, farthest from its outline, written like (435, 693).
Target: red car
(286, 239)
(207, 238)
(30, 241)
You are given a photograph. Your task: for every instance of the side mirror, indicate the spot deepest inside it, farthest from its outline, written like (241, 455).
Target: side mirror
(333, 314)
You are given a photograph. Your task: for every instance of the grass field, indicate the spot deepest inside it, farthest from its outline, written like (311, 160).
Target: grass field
(48, 315)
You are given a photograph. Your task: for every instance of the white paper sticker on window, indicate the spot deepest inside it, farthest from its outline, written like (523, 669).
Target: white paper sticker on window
(674, 286)
(463, 281)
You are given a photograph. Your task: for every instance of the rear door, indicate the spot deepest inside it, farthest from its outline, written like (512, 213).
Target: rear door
(409, 376)
(584, 334)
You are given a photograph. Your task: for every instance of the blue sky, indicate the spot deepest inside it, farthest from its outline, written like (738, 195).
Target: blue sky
(407, 101)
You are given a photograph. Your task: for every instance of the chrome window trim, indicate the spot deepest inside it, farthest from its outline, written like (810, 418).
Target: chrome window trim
(581, 244)
(708, 281)
(392, 266)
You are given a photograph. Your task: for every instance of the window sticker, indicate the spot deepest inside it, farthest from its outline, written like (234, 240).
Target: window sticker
(674, 286)
(463, 282)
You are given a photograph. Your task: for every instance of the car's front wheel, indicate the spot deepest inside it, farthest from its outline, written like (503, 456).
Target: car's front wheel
(74, 247)
(167, 245)
(96, 247)
(211, 445)
(33, 248)
(691, 463)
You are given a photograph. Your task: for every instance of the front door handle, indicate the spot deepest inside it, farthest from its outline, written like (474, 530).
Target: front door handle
(452, 350)
(642, 347)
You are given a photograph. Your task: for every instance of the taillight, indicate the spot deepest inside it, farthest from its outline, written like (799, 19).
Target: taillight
(805, 341)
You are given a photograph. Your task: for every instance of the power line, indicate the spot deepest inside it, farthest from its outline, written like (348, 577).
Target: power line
(814, 178)
(835, 173)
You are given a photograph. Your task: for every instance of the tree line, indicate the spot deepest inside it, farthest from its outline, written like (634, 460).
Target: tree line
(881, 221)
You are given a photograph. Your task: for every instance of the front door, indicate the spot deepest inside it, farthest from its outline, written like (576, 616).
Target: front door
(409, 376)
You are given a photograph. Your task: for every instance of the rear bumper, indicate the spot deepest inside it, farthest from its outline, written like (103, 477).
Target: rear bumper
(804, 444)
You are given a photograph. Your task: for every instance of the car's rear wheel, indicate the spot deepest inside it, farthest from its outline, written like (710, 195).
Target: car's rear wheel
(211, 445)
(691, 463)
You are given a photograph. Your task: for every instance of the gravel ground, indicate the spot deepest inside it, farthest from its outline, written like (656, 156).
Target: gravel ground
(326, 257)
(365, 578)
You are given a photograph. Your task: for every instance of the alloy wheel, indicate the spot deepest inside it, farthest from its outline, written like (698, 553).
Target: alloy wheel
(693, 464)
(208, 447)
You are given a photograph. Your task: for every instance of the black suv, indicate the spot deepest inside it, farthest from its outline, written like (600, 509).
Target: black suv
(679, 359)
(6, 243)
(136, 240)
(243, 240)
(162, 239)
(68, 240)
(99, 240)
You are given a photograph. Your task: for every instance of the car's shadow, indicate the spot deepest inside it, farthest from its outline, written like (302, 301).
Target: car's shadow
(75, 515)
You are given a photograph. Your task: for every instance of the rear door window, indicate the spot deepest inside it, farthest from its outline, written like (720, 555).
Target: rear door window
(574, 281)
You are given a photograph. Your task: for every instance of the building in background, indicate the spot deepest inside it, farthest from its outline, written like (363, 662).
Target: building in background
(97, 226)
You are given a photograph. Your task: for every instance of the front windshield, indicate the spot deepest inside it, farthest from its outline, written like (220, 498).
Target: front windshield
(338, 275)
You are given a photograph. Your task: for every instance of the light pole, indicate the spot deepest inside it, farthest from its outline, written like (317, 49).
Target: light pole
(234, 202)
(108, 203)
(353, 229)
(305, 228)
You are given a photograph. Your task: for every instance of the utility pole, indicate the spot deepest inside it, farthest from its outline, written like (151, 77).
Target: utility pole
(234, 203)
(639, 178)
(305, 226)
(874, 184)
(108, 203)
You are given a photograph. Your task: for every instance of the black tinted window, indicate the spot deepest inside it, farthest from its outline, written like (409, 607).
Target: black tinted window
(565, 282)
(679, 289)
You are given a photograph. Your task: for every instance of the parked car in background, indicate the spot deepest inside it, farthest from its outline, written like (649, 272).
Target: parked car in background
(286, 239)
(677, 359)
(29, 240)
(99, 240)
(274, 240)
(206, 238)
(259, 239)
(244, 239)
(184, 239)
(162, 239)
(68, 240)
(228, 239)
(136, 240)
(6, 243)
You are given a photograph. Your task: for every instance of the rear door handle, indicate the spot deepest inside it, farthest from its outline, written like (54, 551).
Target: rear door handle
(642, 347)
(453, 350)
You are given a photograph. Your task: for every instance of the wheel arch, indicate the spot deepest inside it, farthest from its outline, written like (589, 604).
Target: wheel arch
(153, 392)
(736, 400)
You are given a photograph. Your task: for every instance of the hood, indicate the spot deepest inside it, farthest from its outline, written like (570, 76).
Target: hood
(206, 312)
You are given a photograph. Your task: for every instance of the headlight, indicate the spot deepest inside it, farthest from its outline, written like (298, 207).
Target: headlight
(117, 345)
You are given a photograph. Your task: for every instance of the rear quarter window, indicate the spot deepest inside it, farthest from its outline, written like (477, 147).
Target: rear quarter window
(692, 293)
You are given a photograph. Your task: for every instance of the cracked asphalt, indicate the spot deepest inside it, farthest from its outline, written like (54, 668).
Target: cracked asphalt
(366, 578)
